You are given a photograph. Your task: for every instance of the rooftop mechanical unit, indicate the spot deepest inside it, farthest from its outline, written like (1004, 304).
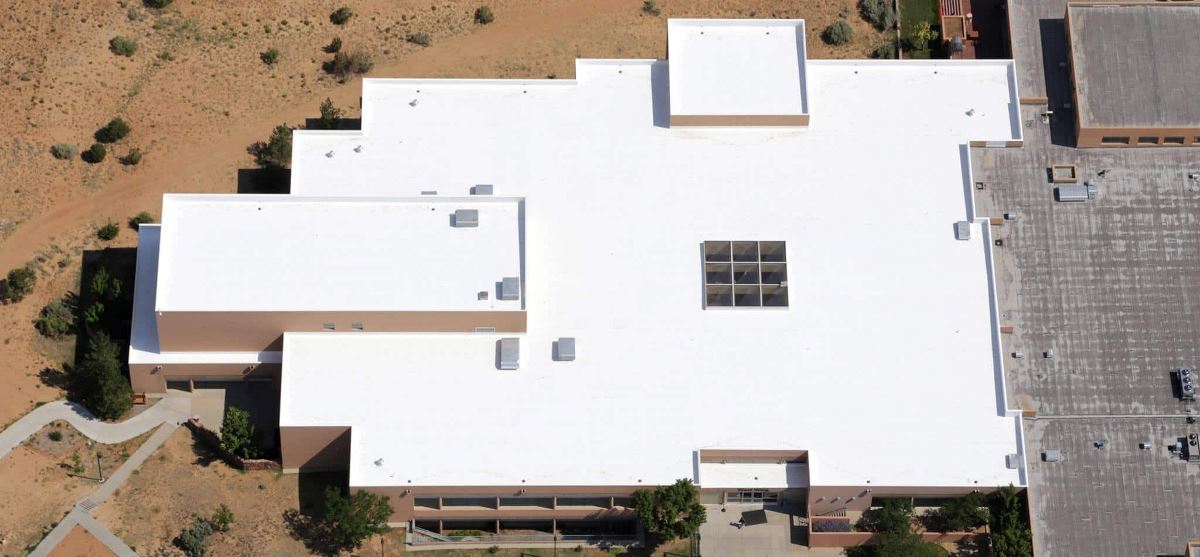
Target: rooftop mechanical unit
(962, 230)
(1191, 448)
(508, 353)
(1186, 380)
(564, 349)
(510, 289)
(466, 218)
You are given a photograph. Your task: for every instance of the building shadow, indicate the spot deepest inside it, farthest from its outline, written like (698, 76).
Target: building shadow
(1057, 74)
(339, 124)
(264, 180)
(660, 93)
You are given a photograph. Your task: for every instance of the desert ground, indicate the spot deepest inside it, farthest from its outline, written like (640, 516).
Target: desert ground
(196, 93)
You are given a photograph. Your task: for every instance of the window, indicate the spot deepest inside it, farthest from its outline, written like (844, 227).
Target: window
(356, 326)
(1147, 140)
(745, 274)
(1173, 140)
(327, 326)
(1114, 140)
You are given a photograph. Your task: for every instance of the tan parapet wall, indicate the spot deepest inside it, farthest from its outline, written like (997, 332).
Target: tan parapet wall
(232, 331)
(830, 499)
(314, 448)
(402, 500)
(738, 455)
(791, 120)
(152, 378)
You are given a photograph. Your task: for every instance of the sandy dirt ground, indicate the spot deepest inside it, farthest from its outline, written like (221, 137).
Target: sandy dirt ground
(196, 95)
(79, 543)
(37, 490)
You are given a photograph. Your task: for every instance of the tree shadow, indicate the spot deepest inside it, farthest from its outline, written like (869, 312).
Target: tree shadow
(205, 455)
(310, 531)
(352, 124)
(56, 378)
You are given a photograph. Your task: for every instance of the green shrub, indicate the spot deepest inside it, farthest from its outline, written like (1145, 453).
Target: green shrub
(334, 46)
(194, 540)
(671, 511)
(346, 64)
(885, 51)
(879, 13)
(484, 15)
(115, 130)
(19, 283)
(466, 533)
(650, 7)
(270, 56)
(329, 115)
(923, 35)
(276, 152)
(838, 33)
(109, 231)
(493, 549)
(421, 39)
(63, 151)
(133, 157)
(341, 15)
(139, 219)
(222, 518)
(1009, 524)
(56, 320)
(96, 153)
(238, 435)
(157, 4)
(349, 520)
(893, 515)
(960, 514)
(55, 435)
(123, 46)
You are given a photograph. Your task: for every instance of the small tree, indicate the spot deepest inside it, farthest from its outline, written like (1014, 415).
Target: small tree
(276, 152)
(905, 544)
(96, 153)
(1009, 524)
(650, 7)
(270, 56)
(133, 157)
(484, 15)
(334, 46)
(673, 511)
(923, 34)
(222, 518)
(63, 151)
(123, 46)
(894, 516)
(885, 51)
(838, 33)
(109, 231)
(960, 514)
(115, 130)
(238, 435)
(20, 283)
(350, 520)
(341, 15)
(329, 115)
(103, 387)
(879, 13)
(139, 219)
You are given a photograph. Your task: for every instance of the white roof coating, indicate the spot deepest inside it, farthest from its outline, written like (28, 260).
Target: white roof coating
(753, 475)
(291, 253)
(737, 67)
(884, 366)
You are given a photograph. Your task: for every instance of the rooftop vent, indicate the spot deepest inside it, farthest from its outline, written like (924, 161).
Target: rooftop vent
(508, 353)
(466, 218)
(510, 289)
(962, 230)
(564, 349)
(1052, 455)
(481, 189)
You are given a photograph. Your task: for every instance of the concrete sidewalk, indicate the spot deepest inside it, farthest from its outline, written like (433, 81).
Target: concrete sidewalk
(170, 409)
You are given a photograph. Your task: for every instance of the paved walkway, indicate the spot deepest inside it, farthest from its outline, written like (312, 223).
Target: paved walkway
(168, 409)
(167, 415)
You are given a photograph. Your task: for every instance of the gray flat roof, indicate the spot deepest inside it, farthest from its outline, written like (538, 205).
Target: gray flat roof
(1110, 286)
(1136, 65)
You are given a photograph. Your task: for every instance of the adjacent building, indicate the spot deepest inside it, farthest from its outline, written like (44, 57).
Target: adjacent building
(1134, 67)
(509, 304)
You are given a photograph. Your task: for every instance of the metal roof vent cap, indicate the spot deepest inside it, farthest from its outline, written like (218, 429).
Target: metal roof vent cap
(564, 349)
(509, 288)
(465, 218)
(508, 353)
(481, 189)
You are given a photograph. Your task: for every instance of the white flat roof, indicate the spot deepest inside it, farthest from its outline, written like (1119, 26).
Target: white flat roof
(883, 367)
(737, 67)
(292, 253)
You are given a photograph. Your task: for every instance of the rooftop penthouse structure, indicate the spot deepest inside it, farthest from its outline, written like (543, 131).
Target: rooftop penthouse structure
(526, 299)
